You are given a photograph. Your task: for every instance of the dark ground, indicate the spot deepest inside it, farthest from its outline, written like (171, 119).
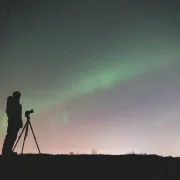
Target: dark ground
(146, 167)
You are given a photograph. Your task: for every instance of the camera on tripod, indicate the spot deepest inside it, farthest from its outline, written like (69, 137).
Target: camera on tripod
(25, 128)
(27, 113)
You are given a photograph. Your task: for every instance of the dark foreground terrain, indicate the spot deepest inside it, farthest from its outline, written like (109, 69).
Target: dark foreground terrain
(146, 167)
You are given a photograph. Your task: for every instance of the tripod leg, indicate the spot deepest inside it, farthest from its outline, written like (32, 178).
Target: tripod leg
(20, 136)
(25, 137)
(34, 137)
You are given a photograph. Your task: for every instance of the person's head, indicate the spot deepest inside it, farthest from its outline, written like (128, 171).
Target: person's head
(16, 95)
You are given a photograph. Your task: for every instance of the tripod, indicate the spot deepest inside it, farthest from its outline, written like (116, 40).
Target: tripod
(26, 126)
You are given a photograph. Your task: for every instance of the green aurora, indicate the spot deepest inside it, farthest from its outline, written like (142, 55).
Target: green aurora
(102, 76)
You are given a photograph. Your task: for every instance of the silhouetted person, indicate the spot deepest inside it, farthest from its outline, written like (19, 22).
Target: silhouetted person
(14, 114)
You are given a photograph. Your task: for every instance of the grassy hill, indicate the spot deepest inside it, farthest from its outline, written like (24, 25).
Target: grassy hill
(146, 167)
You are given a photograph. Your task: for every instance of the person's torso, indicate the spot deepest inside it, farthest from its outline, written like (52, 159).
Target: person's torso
(15, 110)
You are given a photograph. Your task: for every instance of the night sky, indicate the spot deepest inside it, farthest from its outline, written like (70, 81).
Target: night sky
(98, 74)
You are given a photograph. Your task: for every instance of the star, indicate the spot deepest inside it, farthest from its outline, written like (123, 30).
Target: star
(121, 6)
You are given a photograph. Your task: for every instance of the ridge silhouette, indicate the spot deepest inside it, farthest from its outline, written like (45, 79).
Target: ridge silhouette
(126, 167)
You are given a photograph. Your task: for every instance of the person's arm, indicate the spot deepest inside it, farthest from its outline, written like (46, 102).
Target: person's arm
(9, 108)
(21, 116)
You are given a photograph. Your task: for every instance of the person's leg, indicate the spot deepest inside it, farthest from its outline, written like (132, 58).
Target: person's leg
(7, 140)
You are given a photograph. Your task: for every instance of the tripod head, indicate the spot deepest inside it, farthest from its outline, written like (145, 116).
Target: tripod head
(27, 113)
